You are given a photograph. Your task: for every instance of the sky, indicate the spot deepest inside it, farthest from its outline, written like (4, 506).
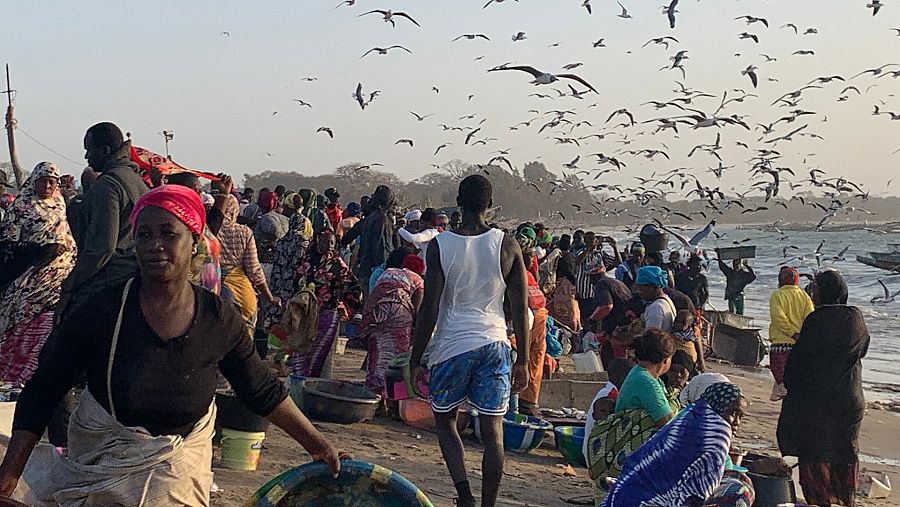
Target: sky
(164, 65)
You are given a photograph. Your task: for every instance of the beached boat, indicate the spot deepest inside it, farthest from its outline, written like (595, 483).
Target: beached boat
(889, 261)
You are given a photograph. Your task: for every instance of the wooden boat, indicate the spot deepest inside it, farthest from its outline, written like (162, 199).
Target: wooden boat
(735, 339)
(888, 261)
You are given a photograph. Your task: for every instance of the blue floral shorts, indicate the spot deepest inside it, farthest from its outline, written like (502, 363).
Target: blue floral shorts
(481, 376)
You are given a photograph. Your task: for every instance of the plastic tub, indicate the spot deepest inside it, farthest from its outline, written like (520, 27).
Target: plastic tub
(417, 413)
(295, 388)
(359, 483)
(521, 433)
(241, 449)
(569, 442)
(653, 239)
(337, 401)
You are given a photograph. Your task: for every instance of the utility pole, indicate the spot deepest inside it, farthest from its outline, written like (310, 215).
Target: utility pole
(168, 135)
(10, 133)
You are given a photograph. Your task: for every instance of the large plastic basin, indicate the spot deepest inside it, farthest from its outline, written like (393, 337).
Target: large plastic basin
(338, 401)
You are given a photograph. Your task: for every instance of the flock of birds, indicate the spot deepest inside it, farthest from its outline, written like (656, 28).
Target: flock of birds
(641, 131)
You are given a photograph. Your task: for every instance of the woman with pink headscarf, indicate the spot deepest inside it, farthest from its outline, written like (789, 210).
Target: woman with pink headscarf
(150, 349)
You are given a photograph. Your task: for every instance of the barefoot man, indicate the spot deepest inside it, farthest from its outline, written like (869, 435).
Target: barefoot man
(470, 357)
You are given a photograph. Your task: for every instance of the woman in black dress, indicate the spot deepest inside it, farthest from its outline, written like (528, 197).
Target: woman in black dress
(823, 411)
(150, 349)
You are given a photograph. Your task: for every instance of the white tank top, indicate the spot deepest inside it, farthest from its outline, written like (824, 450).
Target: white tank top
(471, 309)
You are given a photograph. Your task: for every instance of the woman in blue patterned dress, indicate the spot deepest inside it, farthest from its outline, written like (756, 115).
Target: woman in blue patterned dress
(686, 463)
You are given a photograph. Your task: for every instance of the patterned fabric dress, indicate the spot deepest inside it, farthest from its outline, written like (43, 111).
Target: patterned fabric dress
(682, 464)
(288, 253)
(336, 289)
(387, 321)
(27, 304)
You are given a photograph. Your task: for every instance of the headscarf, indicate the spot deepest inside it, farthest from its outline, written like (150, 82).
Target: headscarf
(413, 215)
(230, 210)
(41, 221)
(788, 276)
(526, 238)
(315, 256)
(288, 200)
(637, 246)
(286, 257)
(267, 201)
(414, 263)
(652, 275)
(546, 238)
(309, 197)
(182, 202)
(353, 209)
(831, 288)
(722, 396)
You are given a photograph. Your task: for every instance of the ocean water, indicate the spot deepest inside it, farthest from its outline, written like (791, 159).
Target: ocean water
(881, 366)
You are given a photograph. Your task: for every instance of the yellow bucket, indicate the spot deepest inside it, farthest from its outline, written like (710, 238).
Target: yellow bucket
(240, 449)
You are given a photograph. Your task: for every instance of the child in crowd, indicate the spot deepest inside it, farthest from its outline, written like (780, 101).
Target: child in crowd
(683, 331)
(604, 403)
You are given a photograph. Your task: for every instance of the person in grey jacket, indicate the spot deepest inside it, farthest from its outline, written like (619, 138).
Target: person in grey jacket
(103, 233)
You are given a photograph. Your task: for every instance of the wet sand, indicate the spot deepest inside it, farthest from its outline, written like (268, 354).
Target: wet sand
(529, 479)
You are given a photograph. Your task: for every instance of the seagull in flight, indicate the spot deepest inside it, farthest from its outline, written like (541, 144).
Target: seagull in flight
(750, 72)
(545, 78)
(752, 19)
(587, 5)
(625, 14)
(389, 16)
(691, 245)
(670, 11)
(441, 147)
(791, 25)
(887, 297)
(420, 117)
(348, 3)
(663, 41)
(472, 36)
(519, 36)
(875, 5)
(327, 130)
(405, 141)
(225, 34)
(303, 103)
(492, 1)
(600, 44)
(384, 51)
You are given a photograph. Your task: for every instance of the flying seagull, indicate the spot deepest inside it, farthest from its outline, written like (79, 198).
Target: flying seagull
(691, 245)
(752, 19)
(545, 78)
(384, 51)
(389, 16)
(664, 41)
(875, 5)
(346, 2)
(624, 14)
(887, 297)
(472, 36)
(419, 117)
(359, 96)
(518, 36)
(492, 1)
(670, 12)
(225, 34)
(587, 5)
(405, 141)
(327, 130)
(441, 147)
(303, 103)
(750, 72)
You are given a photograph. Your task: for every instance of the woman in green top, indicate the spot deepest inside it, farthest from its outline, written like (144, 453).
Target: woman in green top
(643, 389)
(641, 408)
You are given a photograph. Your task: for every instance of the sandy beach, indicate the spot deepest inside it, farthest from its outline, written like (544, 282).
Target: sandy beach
(530, 479)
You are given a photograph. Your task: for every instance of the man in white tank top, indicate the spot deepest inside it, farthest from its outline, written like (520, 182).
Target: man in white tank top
(471, 271)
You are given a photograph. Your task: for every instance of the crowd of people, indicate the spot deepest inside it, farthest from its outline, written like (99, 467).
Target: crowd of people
(133, 281)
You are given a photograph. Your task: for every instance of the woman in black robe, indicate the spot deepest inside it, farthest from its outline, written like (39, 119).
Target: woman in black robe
(823, 411)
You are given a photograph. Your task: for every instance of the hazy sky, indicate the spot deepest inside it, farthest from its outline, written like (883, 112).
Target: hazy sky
(149, 66)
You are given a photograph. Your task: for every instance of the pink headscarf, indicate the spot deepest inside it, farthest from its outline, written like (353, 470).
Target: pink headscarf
(180, 201)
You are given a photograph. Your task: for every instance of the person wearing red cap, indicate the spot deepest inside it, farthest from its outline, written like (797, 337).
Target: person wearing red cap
(150, 349)
(388, 317)
(788, 308)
